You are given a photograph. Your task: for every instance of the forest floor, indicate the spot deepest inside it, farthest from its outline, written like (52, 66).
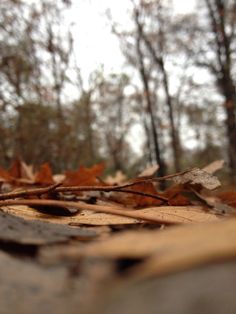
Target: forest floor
(81, 243)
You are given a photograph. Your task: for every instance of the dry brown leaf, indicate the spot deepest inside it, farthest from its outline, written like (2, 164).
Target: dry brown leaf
(27, 171)
(214, 203)
(15, 169)
(228, 197)
(186, 247)
(44, 175)
(4, 176)
(58, 178)
(86, 218)
(118, 178)
(214, 166)
(175, 215)
(198, 176)
(175, 196)
(84, 176)
(20, 172)
(149, 172)
(171, 249)
(136, 200)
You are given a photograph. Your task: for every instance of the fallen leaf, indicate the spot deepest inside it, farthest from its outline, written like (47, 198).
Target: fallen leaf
(27, 172)
(228, 197)
(187, 247)
(179, 200)
(118, 178)
(44, 175)
(197, 176)
(135, 200)
(58, 178)
(172, 249)
(214, 166)
(214, 203)
(149, 172)
(20, 172)
(15, 169)
(84, 176)
(175, 196)
(172, 214)
(5, 176)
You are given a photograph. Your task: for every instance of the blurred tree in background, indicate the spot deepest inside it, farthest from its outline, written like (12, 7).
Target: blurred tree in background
(174, 98)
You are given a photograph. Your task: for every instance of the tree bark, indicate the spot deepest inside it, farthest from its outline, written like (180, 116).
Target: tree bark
(230, 121)
(216, 12)
(160, 63)
(145, 81)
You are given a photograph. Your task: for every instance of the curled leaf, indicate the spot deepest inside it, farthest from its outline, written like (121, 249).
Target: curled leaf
(198, 176)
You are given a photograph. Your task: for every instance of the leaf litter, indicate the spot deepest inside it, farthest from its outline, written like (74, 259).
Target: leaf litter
(64, 215)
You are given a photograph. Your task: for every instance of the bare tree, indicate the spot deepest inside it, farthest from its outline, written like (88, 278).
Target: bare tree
(158, 60)
(216, 52)
(145, 80)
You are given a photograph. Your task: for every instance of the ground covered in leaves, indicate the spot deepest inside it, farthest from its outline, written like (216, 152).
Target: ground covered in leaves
(81, 242)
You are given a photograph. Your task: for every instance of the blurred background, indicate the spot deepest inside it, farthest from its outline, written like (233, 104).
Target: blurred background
(132, 83)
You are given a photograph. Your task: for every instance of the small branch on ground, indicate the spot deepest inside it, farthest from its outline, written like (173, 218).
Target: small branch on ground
(25, 193)
(83, 206)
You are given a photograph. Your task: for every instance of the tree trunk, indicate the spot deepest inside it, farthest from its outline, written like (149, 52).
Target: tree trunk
(173, 130)
(144, 78)
(160, 63)
(230, 122)
(223, 41)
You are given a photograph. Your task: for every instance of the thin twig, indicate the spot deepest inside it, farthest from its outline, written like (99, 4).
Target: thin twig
(152, 179)
(25, 193)
(158, 197)
(39, 191)
(83, 206)
(117, 188)
(109, 189)
(142, 180)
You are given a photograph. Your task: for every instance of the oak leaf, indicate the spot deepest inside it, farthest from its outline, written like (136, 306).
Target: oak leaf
(84, 176)
(44, 175)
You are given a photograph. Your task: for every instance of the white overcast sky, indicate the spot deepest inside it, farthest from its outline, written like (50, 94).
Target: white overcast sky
(94, 43)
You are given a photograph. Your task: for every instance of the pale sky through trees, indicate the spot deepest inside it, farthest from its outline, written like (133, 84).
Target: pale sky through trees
(96, 46)
(94, 43)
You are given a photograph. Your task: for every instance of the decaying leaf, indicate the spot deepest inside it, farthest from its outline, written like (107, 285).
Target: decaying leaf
(118, 178)
(198, 176)
(214, 203)
(84, 176)
(228, 197)
(21, 172)
(138, 201)
(149, 172)
(176, 197)
(4, 176)
(35, 213)
(183, 247)
(15, 170)
(171, 249)
(170, 214)
(58, 178)
(214, 166)
(44, 175)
